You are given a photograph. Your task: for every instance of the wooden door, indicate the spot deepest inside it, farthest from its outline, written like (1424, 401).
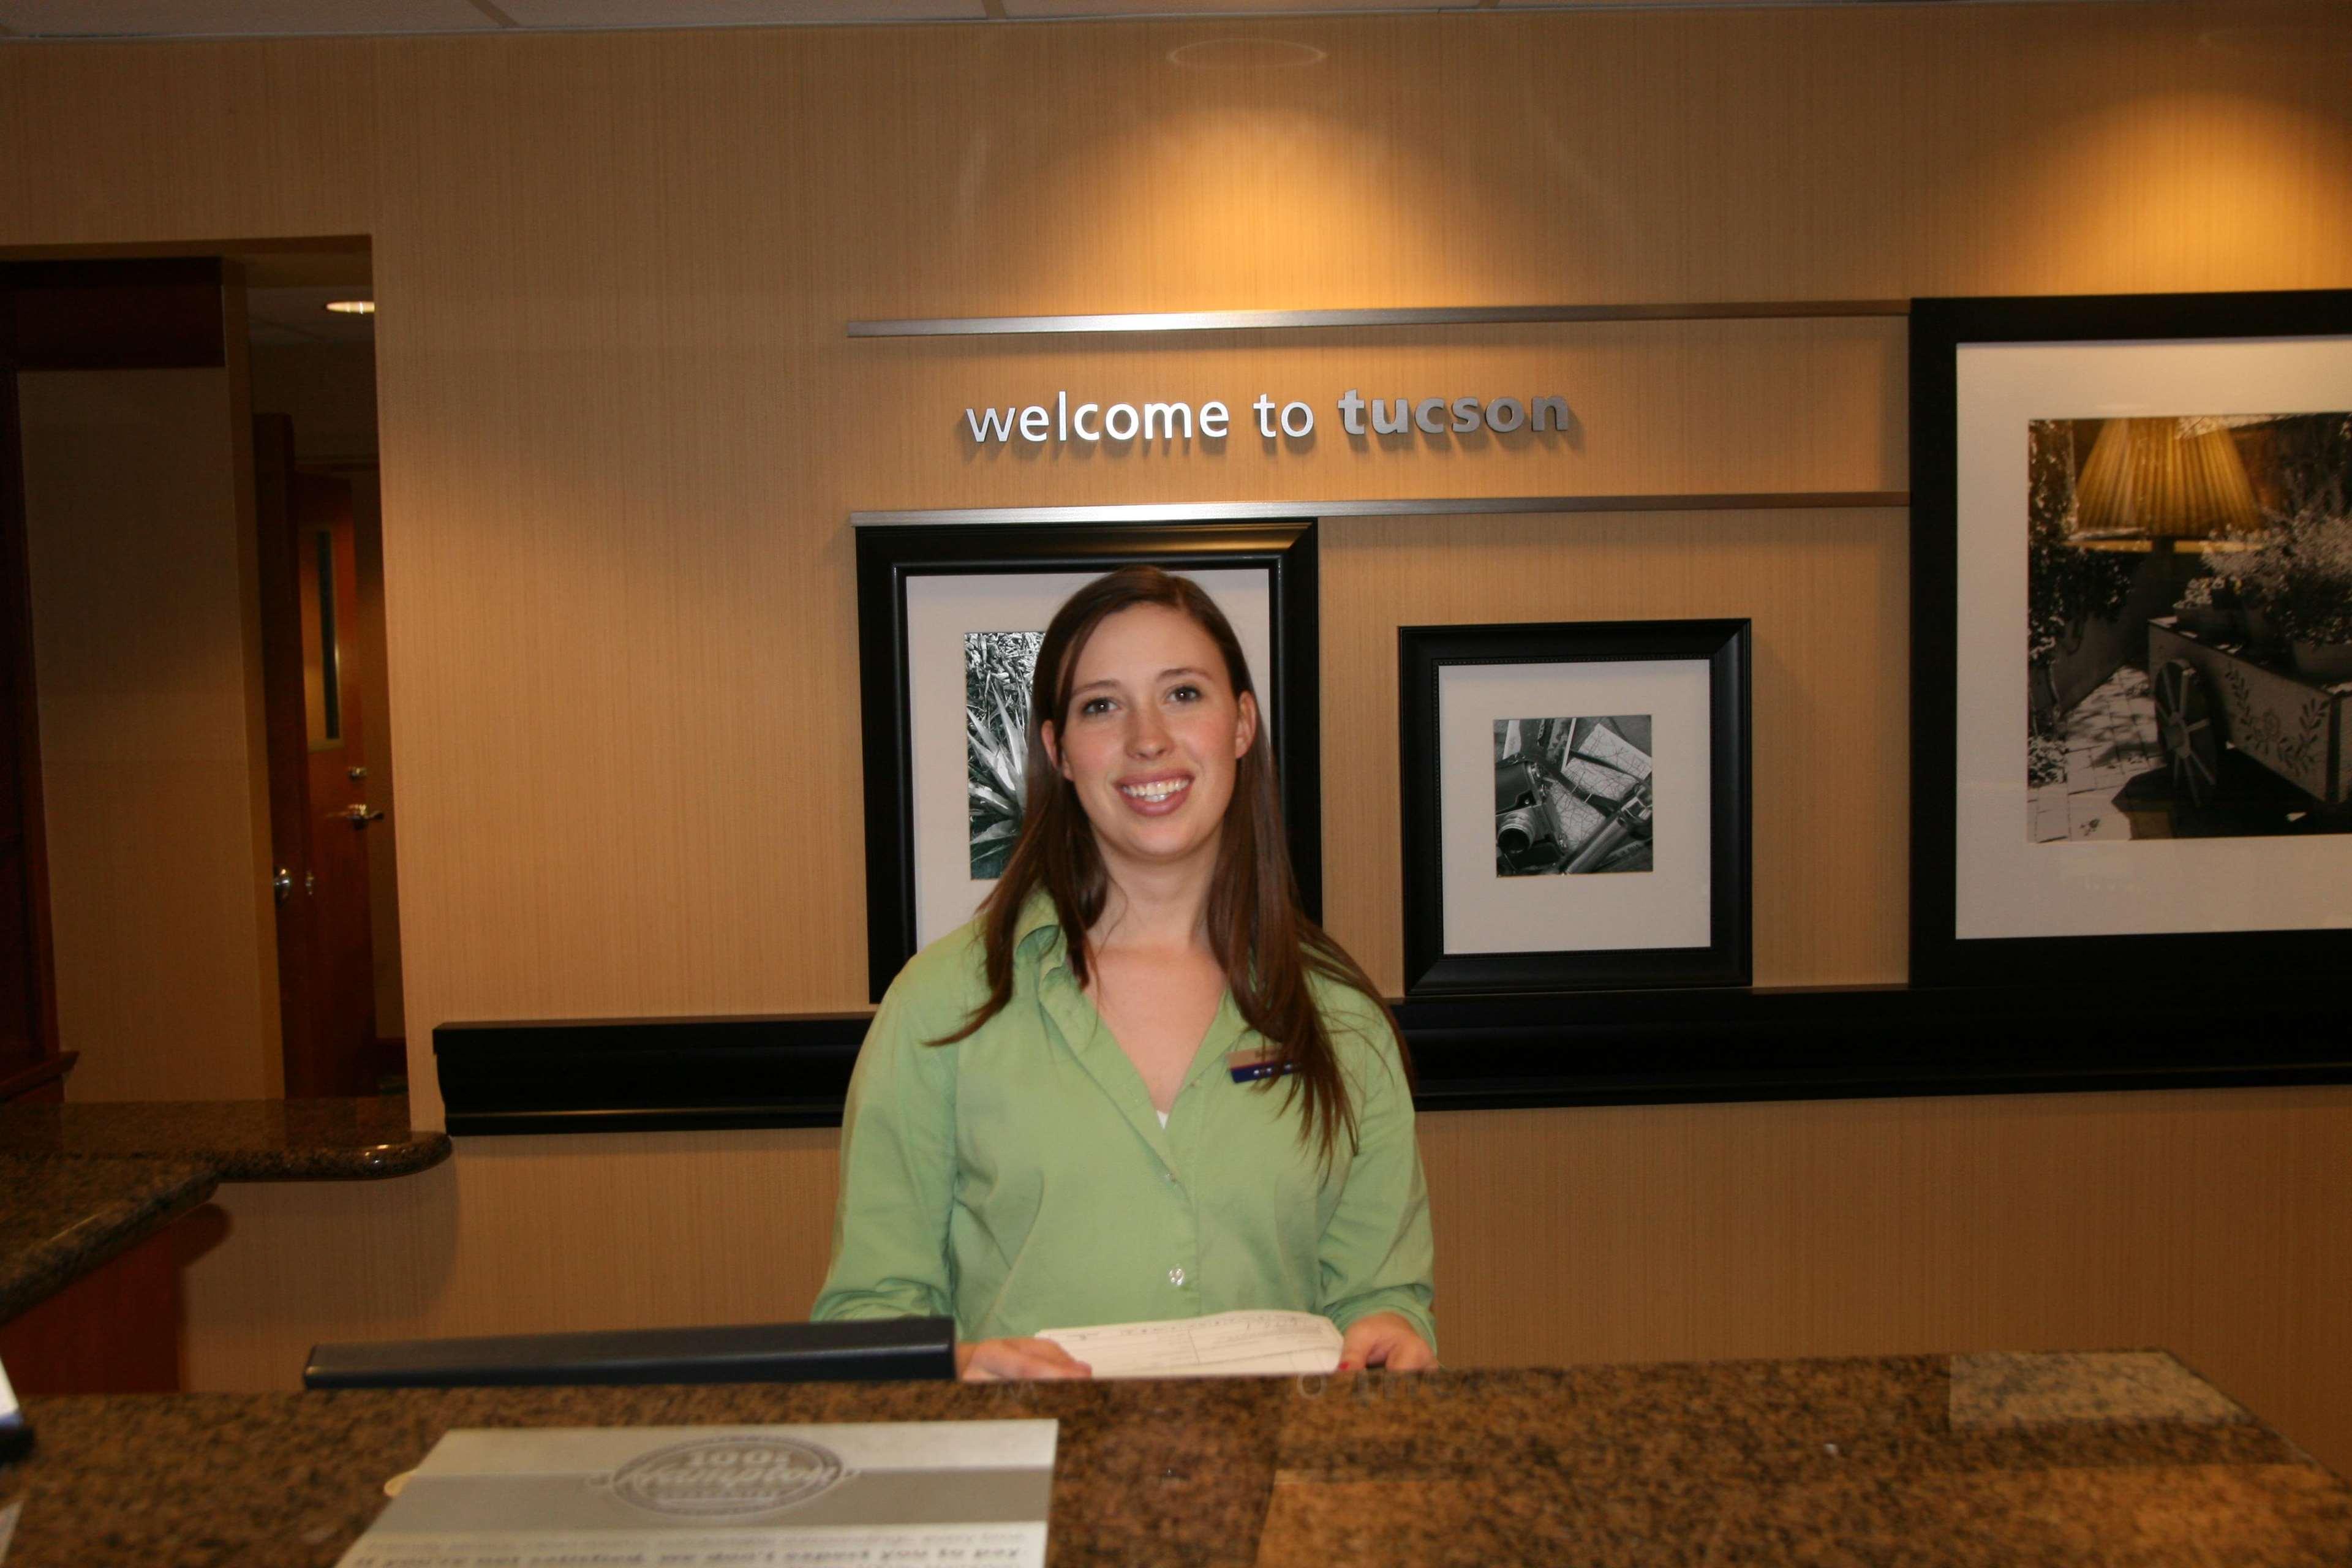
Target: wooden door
(29, 1062)
(320, 810)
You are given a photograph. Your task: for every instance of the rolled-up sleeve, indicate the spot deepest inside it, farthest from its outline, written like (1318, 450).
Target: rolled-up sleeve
(897, 1164)
(1377, 1254)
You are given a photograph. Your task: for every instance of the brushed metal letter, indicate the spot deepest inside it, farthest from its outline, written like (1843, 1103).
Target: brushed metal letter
(1169, 416)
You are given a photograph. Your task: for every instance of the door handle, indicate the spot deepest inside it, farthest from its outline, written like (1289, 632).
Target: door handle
(282, 884)
(360, 816)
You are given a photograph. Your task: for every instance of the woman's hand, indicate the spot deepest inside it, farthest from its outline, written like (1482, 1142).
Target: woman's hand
(993, 1361)
(1384, 1340)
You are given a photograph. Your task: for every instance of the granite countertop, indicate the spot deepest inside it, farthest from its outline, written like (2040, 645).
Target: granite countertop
(82, 1182)
(2112, 1458)
(61, 1218)
(242, 1140)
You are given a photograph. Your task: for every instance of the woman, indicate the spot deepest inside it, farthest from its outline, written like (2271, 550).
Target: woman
(1141, 1084)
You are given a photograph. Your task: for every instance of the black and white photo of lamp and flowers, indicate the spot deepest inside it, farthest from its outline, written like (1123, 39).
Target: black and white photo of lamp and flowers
(2190, 604)
(2132, 637)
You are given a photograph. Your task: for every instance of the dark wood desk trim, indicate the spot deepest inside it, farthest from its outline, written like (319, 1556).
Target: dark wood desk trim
(634, 1075)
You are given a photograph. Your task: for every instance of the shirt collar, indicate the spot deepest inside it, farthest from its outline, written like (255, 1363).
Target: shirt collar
(1046, 950)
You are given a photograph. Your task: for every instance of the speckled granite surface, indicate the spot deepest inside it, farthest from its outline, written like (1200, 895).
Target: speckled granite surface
(61, 1218)
(80, 1183)
(243, 1140)
(2007, 1388)
(1845, 1462)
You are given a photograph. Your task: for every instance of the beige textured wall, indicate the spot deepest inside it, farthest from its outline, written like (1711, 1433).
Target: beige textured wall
(621, 430)
(141, 550)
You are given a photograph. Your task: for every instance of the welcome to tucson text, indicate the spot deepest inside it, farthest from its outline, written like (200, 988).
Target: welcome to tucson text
(1039, 423)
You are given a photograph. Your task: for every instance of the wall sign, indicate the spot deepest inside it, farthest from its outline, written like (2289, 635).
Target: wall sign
(1119, 423)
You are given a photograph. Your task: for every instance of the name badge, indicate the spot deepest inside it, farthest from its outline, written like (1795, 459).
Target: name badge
(1250, 1069)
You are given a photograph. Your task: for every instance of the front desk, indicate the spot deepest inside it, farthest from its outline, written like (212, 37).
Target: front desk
(2108, 1459)
(98, 1213)
(683, 327)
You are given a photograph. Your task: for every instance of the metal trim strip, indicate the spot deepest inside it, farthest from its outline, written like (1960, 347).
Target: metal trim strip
(1313, 320)
(1433, 506)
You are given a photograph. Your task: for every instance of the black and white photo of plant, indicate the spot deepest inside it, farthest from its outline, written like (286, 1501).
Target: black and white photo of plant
(998, 668)
(1572, 795)
(2188, 635)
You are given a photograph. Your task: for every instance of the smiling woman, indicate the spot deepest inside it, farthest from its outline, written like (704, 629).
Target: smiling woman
(1038, 1134)
(1154, 733)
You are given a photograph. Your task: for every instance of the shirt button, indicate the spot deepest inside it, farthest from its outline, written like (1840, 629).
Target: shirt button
(1175, 1277)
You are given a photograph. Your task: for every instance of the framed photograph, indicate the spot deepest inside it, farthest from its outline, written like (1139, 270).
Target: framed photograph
(2131, 639)
(950, 617)
(1576, 805)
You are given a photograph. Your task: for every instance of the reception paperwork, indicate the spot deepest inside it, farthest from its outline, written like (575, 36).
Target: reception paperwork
(1230, 1344)
(916, 1494)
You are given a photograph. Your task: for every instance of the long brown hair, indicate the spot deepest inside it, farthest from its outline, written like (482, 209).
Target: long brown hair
(1264, 941)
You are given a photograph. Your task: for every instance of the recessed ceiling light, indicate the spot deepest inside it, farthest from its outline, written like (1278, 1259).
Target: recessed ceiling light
(352, 307)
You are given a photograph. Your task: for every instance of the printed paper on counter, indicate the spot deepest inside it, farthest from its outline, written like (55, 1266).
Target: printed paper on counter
(921, 1494)
(1230, 1344)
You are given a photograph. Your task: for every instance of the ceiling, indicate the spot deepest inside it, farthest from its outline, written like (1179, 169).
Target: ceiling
(299, 318)
(35, 19)
(286, 292)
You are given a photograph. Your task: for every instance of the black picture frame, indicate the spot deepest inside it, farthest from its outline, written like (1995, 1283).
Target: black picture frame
(1424, 653)
(890, 555)
(2195, 967)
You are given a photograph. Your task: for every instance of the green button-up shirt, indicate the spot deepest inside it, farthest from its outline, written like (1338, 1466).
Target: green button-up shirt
(1020, 1178)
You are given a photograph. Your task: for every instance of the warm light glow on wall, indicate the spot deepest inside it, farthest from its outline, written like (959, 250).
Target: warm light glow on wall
(2176, 190)
(1237, 169)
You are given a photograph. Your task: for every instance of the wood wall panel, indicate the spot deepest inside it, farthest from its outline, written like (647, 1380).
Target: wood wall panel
(621, 430)
(115, 142)
(2202, 1222)
(514, 1234)
(138, 542)
(1831, 693)
(1674, 407)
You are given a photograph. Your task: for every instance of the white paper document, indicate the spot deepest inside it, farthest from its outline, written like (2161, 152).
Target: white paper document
(1226, 1345)
(918, 1494)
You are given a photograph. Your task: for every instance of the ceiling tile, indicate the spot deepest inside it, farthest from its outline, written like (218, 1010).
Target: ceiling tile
(1040, 9)
(236, 18)
(556, 14)
(246, 18)
(1746, 4)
